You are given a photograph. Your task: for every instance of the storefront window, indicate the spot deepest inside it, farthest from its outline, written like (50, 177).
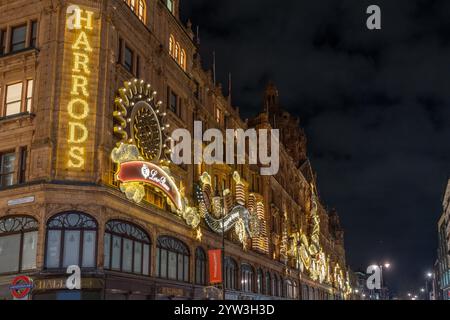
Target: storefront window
(126, 248)
(172, 259)
(230, 273)
(71, 240)
(18, 243)
(200, 266)
(246, 278)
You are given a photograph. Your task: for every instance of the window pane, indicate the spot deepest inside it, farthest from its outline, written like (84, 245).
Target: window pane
(180, 267)
(7, 169)
(9, 253)
(29, 94)
(29, 250)
(53, 248)
(186, 268)
(158, 262)
(127, 255)
(90, 241)
(146, 258)
(172, 265)
(34, 34)
(107, 250)
(13, 98)
(163, 258)
(128, 59)
(116, 252)
(137, 257)
(71, 248)
(18, 38)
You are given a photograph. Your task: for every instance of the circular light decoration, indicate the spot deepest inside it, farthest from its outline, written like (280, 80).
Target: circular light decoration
(139, 121)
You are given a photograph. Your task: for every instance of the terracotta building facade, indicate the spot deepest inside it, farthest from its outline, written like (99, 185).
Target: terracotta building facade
(89, 93)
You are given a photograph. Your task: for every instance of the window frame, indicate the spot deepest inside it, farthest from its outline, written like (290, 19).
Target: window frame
(202, 260)
(22, 232)
(12, 44)
(63, 230)
(166, 247)
(10, 173)
(125, 236)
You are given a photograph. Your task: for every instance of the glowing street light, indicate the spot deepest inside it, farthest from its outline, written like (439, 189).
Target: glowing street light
(429, 275)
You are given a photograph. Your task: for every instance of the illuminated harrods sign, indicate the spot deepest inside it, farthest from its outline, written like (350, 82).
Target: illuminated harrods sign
(79, 84)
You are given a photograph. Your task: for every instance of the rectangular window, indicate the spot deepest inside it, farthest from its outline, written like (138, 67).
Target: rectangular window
(138, 66)
(120, 53)
(172, 266)
(116, 252)
(89, 244)
(9, 253)
(2, 42)
(180, 276)
(18, 38)
(129, 57)
(29, 250)
(107, 250)
(53, 249)
(179, 109)
(23, 165)
(34, 32)
(29, 96)
(71, 254)
(127, 255)
(146, 258)
(13, 99)
(137, 257)
(7, 163)
(173, 101)
(163, 267)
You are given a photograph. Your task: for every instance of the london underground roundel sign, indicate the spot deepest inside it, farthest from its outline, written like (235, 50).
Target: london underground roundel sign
(21, 287)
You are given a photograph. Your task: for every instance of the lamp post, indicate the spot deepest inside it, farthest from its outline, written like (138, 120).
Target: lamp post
(387, 265)
(428, 277)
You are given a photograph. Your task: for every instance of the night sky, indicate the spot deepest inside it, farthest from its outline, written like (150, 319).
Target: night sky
(375, 106)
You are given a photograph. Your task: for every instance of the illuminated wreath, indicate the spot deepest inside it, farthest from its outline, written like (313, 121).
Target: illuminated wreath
(138, 120)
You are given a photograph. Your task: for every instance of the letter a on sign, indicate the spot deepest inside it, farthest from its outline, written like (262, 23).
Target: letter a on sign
(215, 266)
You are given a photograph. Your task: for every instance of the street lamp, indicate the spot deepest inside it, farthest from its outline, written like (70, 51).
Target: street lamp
(387, 265)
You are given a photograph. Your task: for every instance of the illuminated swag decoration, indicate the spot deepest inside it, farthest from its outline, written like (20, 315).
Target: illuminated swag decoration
(223, 213)
(142, 153)
(310, 256)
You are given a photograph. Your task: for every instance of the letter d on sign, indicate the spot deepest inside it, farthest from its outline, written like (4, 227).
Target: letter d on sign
(74, 281)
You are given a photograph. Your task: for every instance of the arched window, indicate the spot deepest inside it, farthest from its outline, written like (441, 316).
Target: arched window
(71, 240)
(126, 248)
(141, 11)
(305, 294)
(246, 278)
(230, 273)
(280, 287)
(291, 289)
(274, 285)
(259, 281)
(268, 284)
(18, 242)
(172, 259)
(138, 7)
(172, 46)
(200, 266)
(183, 59)
(177, 52)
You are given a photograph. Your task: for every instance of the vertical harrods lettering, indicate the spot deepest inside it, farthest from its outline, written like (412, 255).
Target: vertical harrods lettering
(80, 23)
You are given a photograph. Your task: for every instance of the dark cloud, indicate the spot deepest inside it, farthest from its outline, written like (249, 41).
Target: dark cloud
(375, 106)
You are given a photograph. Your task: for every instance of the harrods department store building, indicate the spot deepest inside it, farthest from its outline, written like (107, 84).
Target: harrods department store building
(89, 92)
